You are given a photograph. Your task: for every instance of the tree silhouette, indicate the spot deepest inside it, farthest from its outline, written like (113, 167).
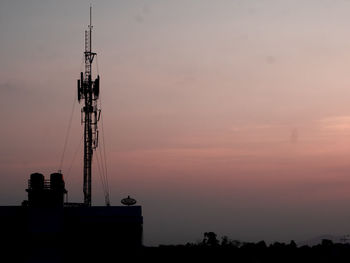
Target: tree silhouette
(210, 239)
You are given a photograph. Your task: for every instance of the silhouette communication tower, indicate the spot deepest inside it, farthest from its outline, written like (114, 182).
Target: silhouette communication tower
(88, 91)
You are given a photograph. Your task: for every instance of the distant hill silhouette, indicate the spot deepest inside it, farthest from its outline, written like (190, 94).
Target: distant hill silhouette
(318, 240)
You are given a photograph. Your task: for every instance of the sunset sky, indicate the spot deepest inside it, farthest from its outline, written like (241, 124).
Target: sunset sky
(230, 116)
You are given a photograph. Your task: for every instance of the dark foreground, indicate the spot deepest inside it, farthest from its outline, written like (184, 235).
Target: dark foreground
(105, 251)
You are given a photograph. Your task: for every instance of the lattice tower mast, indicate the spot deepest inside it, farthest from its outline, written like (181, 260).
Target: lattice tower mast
(88, 91)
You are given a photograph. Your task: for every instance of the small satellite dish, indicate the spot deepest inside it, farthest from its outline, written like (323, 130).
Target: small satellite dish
(128, 201)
